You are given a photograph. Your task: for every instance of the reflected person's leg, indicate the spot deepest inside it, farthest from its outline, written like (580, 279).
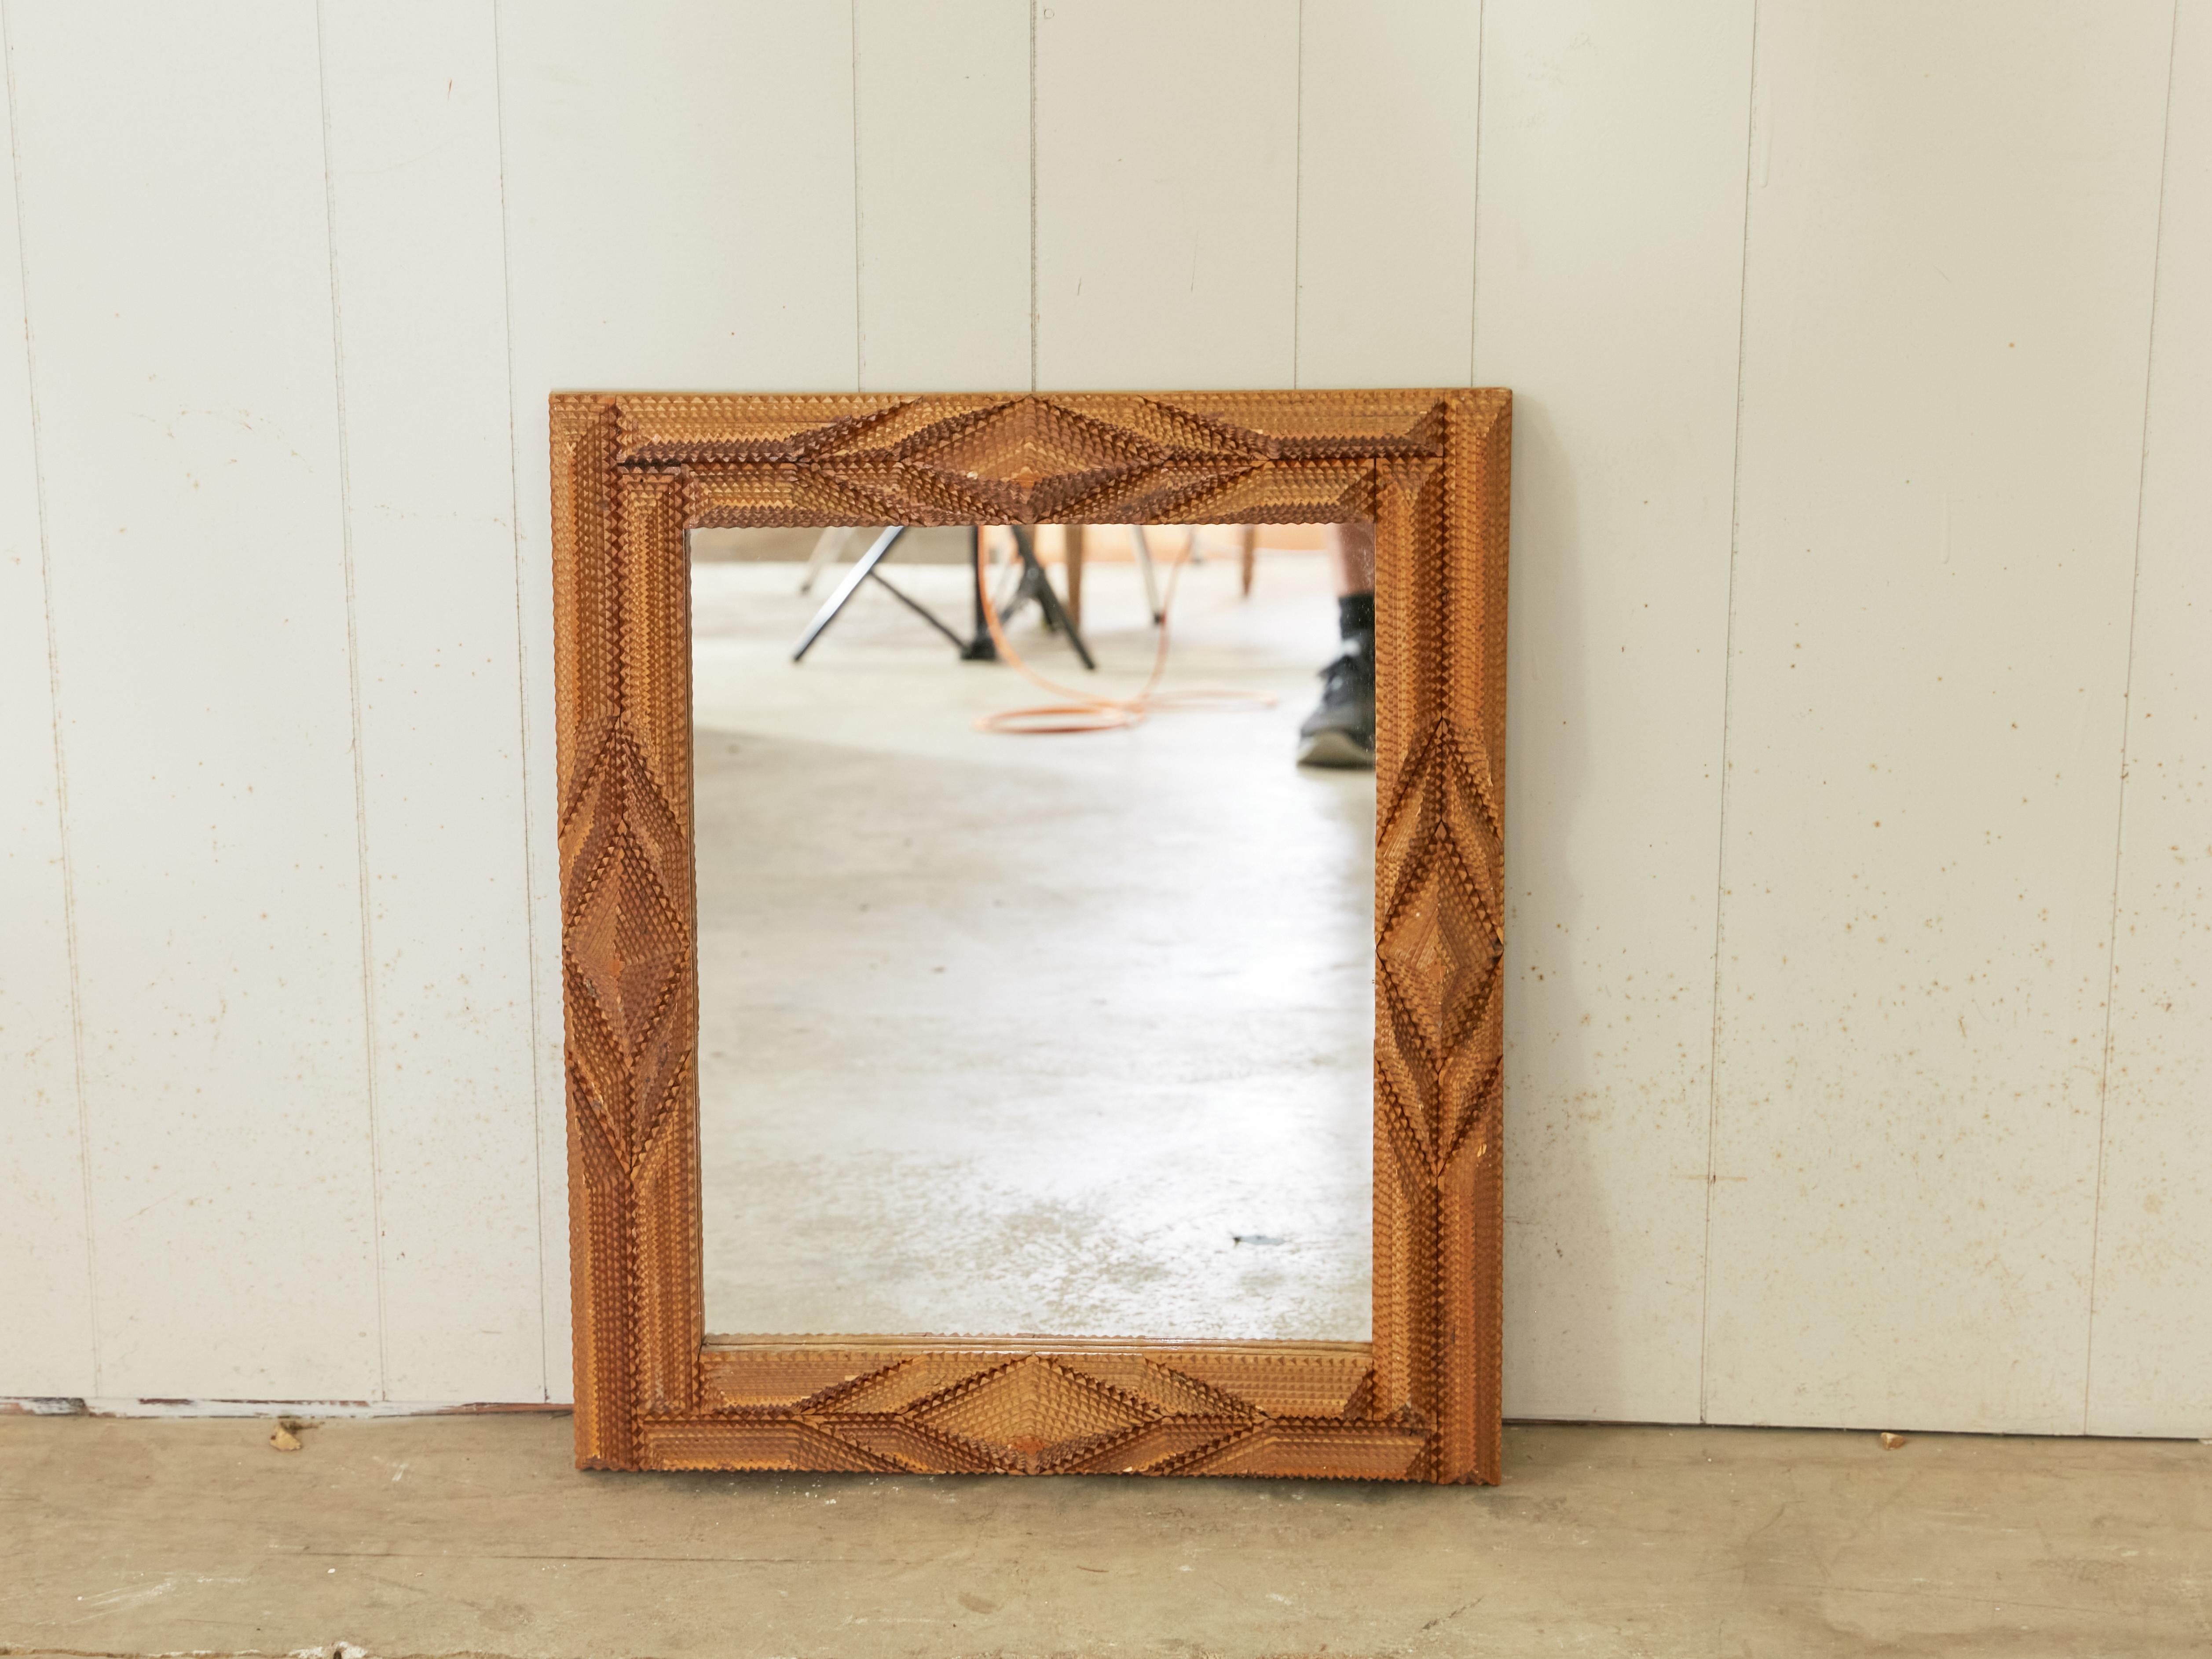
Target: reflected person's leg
(1340, 731)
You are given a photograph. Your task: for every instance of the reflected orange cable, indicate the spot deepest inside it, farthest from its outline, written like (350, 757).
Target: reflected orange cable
(1086, 711)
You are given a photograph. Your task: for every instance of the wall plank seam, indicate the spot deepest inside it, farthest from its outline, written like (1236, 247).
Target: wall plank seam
(530, 759)
(1299, 190)
(2127, 726)
(1474, 203)
(860, 297)
(1033, 197)
(54, 687)
(353, 682)
(1751, 128)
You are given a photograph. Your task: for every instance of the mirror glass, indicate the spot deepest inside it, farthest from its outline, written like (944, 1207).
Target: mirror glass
(1065, 1034)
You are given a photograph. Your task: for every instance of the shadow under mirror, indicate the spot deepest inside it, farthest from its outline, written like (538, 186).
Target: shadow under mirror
(1063, 1035)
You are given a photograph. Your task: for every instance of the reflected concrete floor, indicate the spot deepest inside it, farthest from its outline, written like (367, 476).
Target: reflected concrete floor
(1062, 1034)
(453, 1535)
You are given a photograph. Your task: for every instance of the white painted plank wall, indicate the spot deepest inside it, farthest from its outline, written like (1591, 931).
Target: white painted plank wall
(679, 216)
(2150, 1363)
(496, 202)
(1385, 165)
(170, 164)
(1167, 194)
(410, 94)
(942, 164)
(680, 197)
(46, 1283)
(1947, 286)
(1611, 242)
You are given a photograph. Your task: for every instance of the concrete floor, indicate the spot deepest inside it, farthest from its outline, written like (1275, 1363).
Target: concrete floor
(1067, 1034)
(474, 1535)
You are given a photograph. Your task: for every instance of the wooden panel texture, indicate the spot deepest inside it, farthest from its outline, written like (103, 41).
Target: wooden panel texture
(630, 473)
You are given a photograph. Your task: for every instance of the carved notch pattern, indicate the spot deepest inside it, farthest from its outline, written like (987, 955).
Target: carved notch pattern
(631, 473)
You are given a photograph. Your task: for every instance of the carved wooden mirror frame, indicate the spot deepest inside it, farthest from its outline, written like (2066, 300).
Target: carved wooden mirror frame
(632, 472)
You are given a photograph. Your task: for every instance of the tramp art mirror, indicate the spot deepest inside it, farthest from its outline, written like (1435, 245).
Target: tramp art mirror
(632, 472)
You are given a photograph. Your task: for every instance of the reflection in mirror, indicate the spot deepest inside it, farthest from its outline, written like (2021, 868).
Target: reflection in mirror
(1064, 1035)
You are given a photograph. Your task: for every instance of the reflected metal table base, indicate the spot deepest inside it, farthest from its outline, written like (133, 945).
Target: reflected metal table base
(978, 647)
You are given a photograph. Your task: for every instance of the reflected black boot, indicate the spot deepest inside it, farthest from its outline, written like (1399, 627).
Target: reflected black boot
(1340, 731)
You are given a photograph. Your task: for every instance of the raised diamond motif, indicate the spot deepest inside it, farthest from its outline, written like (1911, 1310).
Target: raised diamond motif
(1437, 947)
(1034, 1409)
(626, 941)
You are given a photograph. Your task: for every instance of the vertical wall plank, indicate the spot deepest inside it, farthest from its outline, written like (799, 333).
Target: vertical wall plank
(2151, 1342)
(1385, 158)
(412, 102)
(1167, 193)
(1947, 289)
(1610, 253)
(680, 186)
(679, 216)
(943, 107)
(46, 1290)
(177, 258)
